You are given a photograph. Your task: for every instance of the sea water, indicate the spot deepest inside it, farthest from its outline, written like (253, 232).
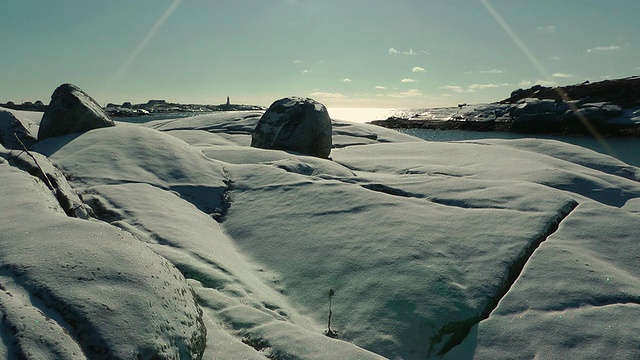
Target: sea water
(625, 149)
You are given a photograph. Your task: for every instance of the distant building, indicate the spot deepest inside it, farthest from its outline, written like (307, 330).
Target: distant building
(156, 102)
(228, 102)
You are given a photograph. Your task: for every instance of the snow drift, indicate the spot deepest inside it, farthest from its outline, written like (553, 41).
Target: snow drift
(201, 246)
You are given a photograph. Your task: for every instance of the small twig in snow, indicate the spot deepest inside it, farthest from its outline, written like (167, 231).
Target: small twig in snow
(45, 178)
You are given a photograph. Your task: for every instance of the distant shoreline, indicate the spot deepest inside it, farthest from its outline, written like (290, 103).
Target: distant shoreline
(614, 130)
(605, 108)
(152, 107)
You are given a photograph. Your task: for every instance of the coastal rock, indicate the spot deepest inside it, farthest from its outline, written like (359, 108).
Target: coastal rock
(537, 123)
(70, 111)
(624, 92)
(10, 127)
(608, 108)
(298, 124)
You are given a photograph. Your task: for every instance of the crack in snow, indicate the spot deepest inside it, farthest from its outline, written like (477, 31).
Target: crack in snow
(596, 302)
(457, 332)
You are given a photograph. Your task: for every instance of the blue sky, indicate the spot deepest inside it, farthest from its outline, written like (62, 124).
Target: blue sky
(344, 53)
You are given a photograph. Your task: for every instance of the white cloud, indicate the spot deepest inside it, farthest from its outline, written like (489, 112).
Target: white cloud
(328, 95)
(347, 80)
(408, 81)
(492, 71)
(305, 71)
(417, 69)
(545, 82)
(380, 87)
(529, 83)
(393, 51)
(473, 87)
(555, 58)
(454, 88)
(562, 75)
(407, 94)
(548, 29)
(604, 48)
(297, 61)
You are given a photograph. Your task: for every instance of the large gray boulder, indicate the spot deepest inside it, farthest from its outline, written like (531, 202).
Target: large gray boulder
(297, 124)
(70, 111)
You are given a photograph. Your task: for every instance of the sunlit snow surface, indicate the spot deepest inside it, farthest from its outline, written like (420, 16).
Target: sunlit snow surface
(483, 249)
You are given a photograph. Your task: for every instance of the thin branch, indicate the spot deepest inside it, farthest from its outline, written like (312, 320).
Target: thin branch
(45, 178)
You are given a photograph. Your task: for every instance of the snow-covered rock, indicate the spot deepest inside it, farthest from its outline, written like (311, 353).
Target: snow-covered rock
(296, 124)
(460, 250)
(70, 111)
(578, 294)
(75, 289)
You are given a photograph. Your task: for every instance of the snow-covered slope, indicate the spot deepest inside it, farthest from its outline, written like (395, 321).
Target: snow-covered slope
(204, 246)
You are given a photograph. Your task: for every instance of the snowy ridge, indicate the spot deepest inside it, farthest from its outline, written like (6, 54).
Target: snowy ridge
(206, 247)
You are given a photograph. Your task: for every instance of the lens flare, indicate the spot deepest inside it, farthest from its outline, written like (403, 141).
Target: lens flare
(545, 74)
(150, 35)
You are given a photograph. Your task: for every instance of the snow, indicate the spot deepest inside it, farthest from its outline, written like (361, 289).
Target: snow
(589, 303)
(479, 249)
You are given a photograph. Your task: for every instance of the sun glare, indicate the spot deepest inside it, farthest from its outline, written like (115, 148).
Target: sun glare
(545, 75)
(143, 43)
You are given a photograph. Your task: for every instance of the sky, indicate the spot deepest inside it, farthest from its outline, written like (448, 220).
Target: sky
(343, 53)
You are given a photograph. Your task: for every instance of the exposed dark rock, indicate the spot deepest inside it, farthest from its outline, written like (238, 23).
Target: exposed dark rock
(70, 111)
(297, 124)
(602, 108)
(25, 106)
(623, 92)
(10, 127)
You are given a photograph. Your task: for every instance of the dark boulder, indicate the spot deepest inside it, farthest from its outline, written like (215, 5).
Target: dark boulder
(70, 111)
(10, 127)
(538, 123)
(296, 124)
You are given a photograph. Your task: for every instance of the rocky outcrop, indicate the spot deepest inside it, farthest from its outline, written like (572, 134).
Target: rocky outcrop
(297, 124)
(70, 111)
(552, 116)
(609, 107)
(10, 128)
(623, 92)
